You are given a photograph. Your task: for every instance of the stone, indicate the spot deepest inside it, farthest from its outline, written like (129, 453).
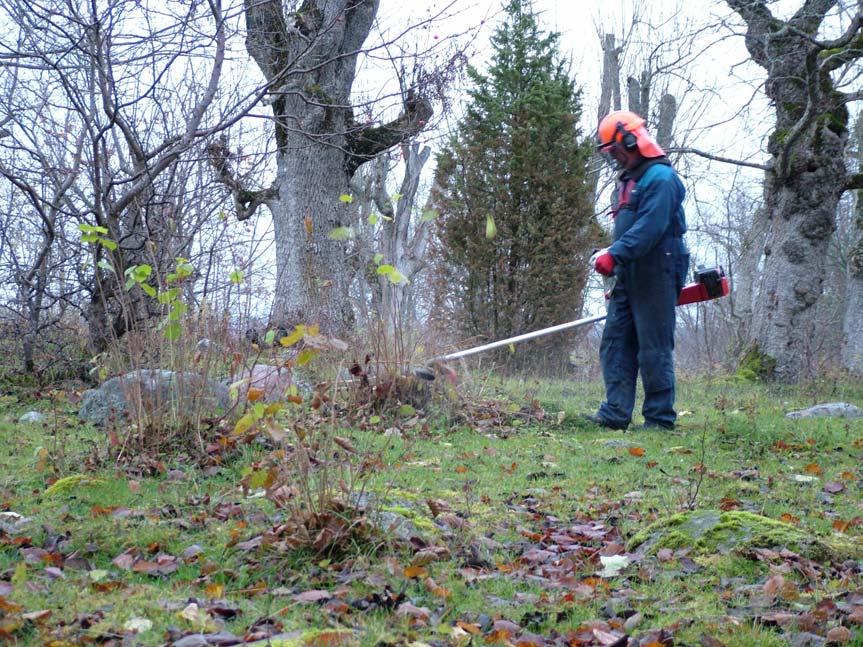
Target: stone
(395, 525)
(152, 393)
(711, 532)
(12, 523)
(827, 410)
(32, 417)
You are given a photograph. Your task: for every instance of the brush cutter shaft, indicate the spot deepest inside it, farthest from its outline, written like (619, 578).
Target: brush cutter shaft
(578, 323)
(709, 284)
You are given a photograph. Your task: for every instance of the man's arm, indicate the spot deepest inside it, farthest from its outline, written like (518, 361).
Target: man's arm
(659, 201)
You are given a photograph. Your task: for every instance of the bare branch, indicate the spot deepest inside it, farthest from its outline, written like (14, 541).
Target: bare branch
(719, 158)
(246, 201)
(364, 145)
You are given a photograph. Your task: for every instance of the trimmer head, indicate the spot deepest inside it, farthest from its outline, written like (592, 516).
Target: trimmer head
(425, 373)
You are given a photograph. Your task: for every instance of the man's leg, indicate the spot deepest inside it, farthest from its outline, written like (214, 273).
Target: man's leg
(618, 355)
(653, 315)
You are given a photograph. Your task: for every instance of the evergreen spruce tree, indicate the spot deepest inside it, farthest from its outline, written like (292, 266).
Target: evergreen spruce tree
(516, 219)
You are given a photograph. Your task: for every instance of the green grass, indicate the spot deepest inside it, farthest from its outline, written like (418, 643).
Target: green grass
(510, 487)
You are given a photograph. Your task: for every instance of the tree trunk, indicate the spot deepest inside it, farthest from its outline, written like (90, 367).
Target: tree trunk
(806, 179)
(852, 349)
(800, 214)
(312, 279)
(310, 66)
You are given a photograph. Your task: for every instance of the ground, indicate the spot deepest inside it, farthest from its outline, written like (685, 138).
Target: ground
(522, 523)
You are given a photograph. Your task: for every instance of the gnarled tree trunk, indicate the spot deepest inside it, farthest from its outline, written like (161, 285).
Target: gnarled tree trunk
(309, 63)
(807, 176)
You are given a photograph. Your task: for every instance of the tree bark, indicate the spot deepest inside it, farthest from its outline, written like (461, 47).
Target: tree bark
(852, 328)
(806, 180)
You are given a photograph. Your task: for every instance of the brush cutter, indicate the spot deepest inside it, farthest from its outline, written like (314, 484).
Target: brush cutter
(710, 283)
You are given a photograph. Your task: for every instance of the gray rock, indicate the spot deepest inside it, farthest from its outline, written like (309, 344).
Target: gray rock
(32, 417)
(12, 523)
(806, 639)
(153, 392)
(396, 525)
(828, 409)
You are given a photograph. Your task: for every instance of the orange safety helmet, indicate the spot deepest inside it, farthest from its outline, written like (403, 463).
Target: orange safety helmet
(627, 129)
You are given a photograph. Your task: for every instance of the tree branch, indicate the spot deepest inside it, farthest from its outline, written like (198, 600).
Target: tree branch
(848, 51)
(267, 36)
(719, 158)
(246, 201)
(365, 144)
(759, 21)
(810, 16)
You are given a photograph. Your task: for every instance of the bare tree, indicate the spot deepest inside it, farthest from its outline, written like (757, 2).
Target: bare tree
(104, 108)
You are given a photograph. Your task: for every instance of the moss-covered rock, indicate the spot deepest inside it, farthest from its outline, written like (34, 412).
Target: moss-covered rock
(713, 531)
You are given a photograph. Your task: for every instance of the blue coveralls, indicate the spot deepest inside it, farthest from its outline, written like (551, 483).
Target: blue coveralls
(651, 265)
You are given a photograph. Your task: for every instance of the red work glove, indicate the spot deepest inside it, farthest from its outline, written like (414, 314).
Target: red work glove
(604, 264)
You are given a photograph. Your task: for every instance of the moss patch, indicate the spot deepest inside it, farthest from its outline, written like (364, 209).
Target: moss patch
(756, 365)
(712, 531)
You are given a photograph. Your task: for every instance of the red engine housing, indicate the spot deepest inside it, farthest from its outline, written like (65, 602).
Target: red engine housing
(709, 284)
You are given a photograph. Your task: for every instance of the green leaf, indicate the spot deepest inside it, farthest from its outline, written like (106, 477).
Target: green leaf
(172, 331)
(148, 289)
(183, 269)
(341, 233)
(139, 272)
(236, 277)
(490, 227)
(373, 219)
(245, 423)
(105, 265)
(406, 410)
(374, 420)
(397, 277)
(107, 243)
(378, 258)
(347, 199)
(270, 337)
(307, 355)
(178, 309)
(168, 296)
(429, 215)
(385, 270)
(92, 229)
(397, 197)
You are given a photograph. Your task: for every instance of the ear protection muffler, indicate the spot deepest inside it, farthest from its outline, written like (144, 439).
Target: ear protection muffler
(629, 141)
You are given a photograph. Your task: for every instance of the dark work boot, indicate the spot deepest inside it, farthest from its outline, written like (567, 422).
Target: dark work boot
(602, 422)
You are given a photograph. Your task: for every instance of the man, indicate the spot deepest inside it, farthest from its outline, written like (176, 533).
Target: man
(650, 261)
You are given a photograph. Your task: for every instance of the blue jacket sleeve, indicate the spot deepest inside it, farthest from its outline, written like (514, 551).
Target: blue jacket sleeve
(655, 210)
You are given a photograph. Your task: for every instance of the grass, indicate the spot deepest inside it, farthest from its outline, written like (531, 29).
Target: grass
(510, 488)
